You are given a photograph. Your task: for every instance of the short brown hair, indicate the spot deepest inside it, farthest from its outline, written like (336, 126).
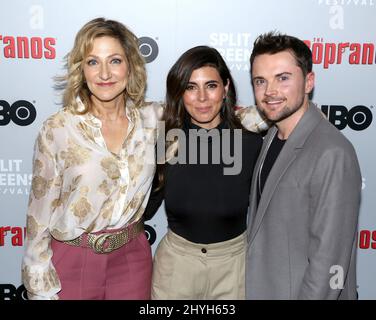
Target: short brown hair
(274, 42)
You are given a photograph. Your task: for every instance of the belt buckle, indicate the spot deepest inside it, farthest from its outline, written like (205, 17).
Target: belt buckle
(98, 244)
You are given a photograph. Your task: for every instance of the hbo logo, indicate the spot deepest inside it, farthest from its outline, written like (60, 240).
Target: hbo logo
(148, 48)
(357, 118)
(151, 235)
(21, 112)
(10, 292)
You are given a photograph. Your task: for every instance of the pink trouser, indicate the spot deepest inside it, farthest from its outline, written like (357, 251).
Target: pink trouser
(124, 273)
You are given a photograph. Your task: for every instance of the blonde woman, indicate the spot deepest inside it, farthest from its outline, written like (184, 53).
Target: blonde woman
(92, 173)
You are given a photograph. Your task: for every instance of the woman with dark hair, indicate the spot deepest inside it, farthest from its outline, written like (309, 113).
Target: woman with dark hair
(206, 196)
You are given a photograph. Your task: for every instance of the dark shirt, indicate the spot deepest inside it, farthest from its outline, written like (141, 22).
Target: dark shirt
(202, 204)
(270, 158)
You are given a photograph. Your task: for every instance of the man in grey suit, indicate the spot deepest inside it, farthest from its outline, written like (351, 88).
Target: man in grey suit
(305, 194)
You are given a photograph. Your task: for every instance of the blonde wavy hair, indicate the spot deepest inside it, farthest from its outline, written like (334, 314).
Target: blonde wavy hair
(74, 81)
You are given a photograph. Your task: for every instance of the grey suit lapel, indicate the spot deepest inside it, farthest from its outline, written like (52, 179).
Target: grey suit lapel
(288, 154)
(254, 185)
(285, 158)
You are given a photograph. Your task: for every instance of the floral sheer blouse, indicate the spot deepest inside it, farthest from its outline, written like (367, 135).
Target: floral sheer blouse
(80, 186)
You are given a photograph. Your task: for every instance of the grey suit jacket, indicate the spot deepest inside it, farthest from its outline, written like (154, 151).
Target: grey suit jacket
(302, 238)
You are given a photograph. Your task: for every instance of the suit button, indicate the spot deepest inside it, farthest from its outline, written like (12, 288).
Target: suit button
(203, 250)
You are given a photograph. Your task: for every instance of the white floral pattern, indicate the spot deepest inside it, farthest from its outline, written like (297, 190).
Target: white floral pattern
(78, 185)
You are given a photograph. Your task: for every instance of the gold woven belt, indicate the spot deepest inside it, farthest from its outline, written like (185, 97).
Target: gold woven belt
(107, 242)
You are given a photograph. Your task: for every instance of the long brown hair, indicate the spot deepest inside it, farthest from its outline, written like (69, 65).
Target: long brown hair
(178, 77)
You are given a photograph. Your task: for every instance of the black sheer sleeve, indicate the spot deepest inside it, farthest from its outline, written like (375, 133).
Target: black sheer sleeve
(155, 199)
